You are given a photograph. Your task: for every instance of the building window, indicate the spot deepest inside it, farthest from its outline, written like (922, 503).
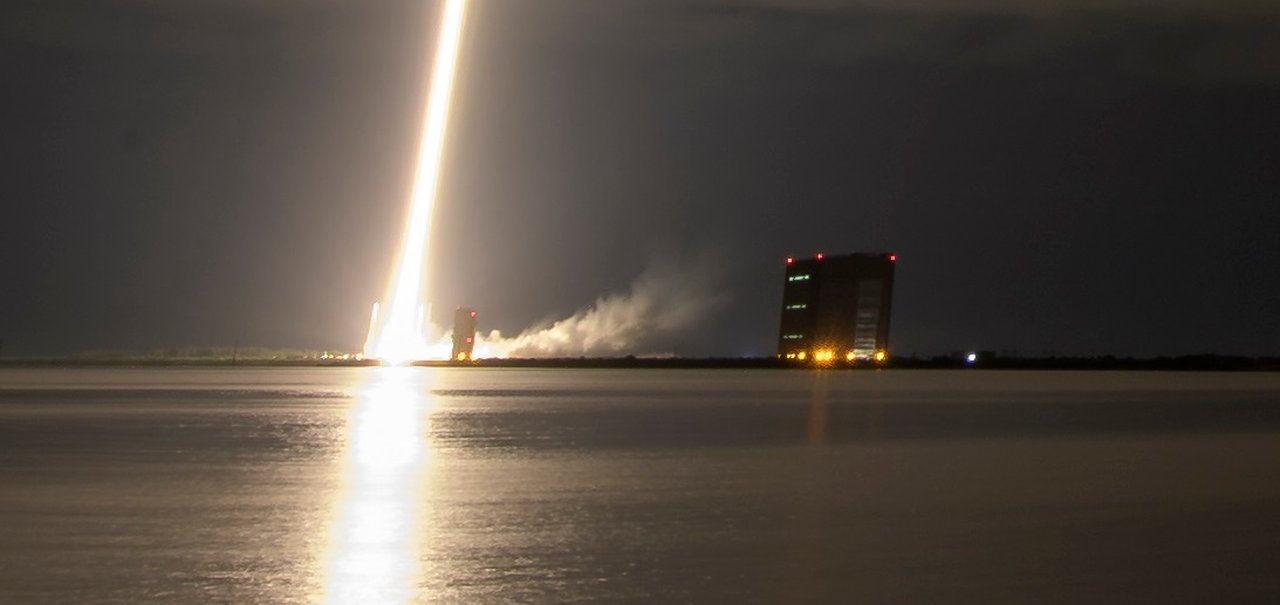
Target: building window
(867, 318)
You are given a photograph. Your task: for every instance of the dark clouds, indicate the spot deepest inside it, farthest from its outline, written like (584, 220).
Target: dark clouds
(1056, 175)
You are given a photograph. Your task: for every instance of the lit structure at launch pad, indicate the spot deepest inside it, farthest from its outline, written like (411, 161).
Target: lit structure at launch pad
(836, 308)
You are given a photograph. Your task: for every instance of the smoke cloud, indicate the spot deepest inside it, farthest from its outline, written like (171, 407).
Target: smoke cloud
(648, 320)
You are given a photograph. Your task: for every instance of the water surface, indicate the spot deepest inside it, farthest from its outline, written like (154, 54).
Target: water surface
(413, 485)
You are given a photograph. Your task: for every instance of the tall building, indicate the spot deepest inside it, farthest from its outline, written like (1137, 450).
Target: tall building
(836, 308)
(464, 334)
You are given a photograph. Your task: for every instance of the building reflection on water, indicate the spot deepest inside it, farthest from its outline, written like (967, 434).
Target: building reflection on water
(374, 538)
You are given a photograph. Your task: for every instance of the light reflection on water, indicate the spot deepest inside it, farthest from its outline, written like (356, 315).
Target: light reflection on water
(477, 486)
(374, 545)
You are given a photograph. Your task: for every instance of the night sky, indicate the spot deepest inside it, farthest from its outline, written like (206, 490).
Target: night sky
(1075, 177)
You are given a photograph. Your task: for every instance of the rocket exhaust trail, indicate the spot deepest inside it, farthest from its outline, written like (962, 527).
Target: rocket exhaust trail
(395, 331)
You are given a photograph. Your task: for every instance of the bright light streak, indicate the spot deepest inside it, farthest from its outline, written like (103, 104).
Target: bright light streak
(369, 343)
(399, 337)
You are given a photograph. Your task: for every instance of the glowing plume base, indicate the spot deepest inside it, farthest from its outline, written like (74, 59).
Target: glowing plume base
(395, 343)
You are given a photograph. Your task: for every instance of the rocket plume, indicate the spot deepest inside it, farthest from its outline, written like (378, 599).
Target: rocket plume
(660, 303)
(396, 327)
(663, 303)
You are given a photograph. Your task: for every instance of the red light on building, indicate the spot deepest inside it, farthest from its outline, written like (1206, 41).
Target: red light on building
(893, 258)
(790, 260)
(819, 256)
(464, 334)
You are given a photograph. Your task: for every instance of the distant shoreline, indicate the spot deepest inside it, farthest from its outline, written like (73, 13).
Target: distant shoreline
(1191, 363)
